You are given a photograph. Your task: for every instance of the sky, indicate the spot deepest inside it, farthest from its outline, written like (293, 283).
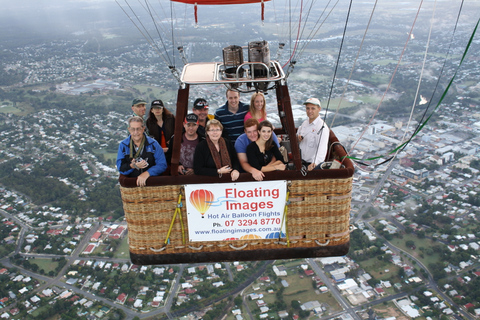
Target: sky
(63, 16)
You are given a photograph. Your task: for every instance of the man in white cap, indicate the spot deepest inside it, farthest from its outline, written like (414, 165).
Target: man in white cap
(313, 136)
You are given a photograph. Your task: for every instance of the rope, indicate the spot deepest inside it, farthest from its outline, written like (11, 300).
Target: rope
(173, 36)
(284, 221)
(391, 158)
(419, 80)
(178, 210)
(391, 78)
(298, 34)
(195, 13)
(441, 70)
(354, 63)
(314, 31)
(147, 35)
(156, 28)
(420, 127)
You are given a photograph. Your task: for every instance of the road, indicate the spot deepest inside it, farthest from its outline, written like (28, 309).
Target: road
(333, 289)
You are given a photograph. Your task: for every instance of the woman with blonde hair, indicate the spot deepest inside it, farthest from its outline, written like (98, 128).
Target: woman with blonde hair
(215, 155)
(258, 107)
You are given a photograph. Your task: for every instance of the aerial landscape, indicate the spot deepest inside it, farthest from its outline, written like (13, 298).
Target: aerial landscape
(399, 84)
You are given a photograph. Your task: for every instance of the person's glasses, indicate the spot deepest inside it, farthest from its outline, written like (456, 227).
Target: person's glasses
(214, 130)
(157, 108)
(135, 129)
(140, 106)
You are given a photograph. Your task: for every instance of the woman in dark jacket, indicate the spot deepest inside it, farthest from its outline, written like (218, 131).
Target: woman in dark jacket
(215, 155)
(160, 123)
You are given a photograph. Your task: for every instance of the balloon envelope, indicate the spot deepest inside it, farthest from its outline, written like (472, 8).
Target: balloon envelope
(215, 2)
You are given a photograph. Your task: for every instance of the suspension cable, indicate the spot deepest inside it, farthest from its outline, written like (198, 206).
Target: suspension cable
(391, 79)
(354, 63)
(156, 27)
(441, 98)
(149, 39)
(441, 70)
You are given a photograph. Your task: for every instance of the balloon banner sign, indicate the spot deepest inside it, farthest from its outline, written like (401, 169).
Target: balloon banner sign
(235, 211)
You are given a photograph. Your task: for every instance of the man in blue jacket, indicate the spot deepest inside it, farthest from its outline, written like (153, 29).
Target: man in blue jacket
(138, 155)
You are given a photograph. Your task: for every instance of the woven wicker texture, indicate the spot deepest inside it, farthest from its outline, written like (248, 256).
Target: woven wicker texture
(318, 215)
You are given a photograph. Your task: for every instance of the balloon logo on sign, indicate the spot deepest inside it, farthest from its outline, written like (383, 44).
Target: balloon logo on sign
(201, 199)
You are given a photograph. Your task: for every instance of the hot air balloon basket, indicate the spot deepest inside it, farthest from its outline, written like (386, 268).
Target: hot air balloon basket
(317, 225)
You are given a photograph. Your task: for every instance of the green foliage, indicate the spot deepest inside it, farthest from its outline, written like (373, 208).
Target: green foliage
(104, 198)
(41, 184)
(410, 243)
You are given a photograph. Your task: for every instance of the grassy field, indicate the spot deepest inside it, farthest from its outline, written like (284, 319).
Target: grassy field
(106, 154)
(290, 263)
(369, 99)
(8, 108)
(123, 251)
(380, 269)
(166, 95)
(419, 243)
(385, 62)
(46, 264)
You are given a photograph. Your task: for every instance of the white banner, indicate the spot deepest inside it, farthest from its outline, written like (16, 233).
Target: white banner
(235, 211)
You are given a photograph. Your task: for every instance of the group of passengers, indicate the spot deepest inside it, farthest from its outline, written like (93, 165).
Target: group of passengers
(237, 138)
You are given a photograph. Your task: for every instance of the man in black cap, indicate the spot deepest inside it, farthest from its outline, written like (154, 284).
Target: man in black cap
(139, 108)
(200, 108)
(190, 139)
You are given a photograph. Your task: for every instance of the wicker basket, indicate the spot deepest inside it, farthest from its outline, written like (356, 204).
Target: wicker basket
(317, 222)
(317, 219)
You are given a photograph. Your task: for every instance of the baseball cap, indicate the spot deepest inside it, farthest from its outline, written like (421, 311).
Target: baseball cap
(200, 104)
(138, 101)
(314, 101)
(192, 118)
(157, 103)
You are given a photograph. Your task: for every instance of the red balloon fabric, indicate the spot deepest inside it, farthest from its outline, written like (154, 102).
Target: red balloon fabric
(215, 2)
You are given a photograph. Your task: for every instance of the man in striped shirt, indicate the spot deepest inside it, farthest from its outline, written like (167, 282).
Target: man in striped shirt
(232, 115)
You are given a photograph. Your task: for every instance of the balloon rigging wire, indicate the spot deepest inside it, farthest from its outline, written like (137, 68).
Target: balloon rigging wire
(354, 62)
(298, 34)
(316, 28)
(397, 150)
(391, 80)
(422, 123)
(427, 46)
(156, 28)
(149, 39)
(441, 72)
(173, 36)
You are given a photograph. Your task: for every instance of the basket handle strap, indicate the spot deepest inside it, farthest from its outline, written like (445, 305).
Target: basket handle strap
(238, 248)
(178, 210)
(334, 235)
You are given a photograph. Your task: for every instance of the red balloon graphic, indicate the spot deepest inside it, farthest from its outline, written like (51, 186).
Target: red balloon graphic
(201, 199)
